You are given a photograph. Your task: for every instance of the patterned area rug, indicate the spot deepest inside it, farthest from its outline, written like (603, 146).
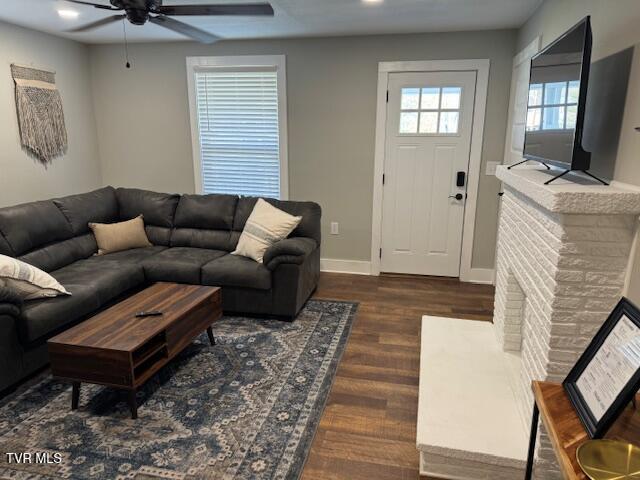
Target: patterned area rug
(246, 408)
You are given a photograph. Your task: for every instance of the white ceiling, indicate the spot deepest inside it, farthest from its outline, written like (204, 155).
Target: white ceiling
(293, 18)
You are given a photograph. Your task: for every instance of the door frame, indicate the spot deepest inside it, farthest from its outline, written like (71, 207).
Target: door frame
(481, 67)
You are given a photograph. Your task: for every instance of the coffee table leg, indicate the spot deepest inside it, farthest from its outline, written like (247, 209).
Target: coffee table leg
(133, 404)
(75, 395)
(210, 333)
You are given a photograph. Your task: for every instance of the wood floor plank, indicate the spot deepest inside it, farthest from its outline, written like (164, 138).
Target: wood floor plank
(367, 430)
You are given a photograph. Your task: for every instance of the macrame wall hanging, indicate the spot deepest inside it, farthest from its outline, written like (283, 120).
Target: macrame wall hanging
(40, 117)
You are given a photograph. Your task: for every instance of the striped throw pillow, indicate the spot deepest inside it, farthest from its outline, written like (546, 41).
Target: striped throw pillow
(28, 281)
(266, 225)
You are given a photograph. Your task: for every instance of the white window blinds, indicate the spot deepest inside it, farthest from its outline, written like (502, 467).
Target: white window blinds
(239, 133)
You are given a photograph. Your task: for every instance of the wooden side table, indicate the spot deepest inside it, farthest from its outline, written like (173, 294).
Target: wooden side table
(566, 431)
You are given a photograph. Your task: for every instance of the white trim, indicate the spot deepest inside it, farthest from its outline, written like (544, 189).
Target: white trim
(482, 275)
(357, 267)
(528, 51)
(276, 61)
(481, 66)
(511, 155)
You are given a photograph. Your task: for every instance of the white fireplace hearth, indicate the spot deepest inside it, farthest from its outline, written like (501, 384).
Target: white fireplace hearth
(561, 263)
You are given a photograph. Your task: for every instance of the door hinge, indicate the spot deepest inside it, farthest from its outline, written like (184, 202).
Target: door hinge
(387, 96)
(383, 177)
(380, 253)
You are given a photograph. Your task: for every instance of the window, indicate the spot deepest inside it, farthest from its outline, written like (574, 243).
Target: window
(430, 110)
(553, 106)
(238, 121)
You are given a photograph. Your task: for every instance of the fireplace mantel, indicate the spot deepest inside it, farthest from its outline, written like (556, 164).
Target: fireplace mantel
(567, 196)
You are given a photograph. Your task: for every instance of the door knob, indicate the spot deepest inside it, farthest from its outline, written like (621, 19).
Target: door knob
(457, 196)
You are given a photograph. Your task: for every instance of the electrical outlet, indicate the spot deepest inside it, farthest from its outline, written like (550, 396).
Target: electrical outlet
(491, 167)
(335, 229)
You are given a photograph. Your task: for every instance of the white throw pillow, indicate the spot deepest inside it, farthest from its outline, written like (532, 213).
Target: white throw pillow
(266, 225)
(28, 281)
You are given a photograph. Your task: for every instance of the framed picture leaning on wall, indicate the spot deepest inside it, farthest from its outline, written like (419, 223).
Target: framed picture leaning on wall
(607, 375)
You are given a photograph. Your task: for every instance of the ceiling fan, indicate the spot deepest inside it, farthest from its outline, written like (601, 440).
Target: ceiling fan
(139, 12)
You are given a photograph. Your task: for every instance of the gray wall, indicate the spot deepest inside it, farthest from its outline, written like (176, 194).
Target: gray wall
(22, 179)
(142, 117)
(615, 29)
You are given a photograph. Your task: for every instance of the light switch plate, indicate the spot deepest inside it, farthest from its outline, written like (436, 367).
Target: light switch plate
(335, 228)
(491, 167)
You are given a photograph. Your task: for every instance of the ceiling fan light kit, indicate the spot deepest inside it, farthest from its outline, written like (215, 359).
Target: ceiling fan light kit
(139, 12)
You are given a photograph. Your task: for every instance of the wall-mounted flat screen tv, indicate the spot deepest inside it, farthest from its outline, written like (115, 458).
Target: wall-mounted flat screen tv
(557, 98)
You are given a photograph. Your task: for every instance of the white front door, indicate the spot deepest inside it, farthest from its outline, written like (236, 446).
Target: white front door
(428, 142)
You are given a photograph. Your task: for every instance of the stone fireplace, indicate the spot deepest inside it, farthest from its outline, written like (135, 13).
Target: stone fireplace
(561, 264)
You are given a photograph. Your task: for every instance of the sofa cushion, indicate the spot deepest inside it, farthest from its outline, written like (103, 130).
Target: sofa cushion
(5, 249)
(135, 255)
(31, 225)
(91, 284)
(235, 271)
(179, 264)
(204, 221)
(40, 319)
(57, 255)
(157, 208)
(210, 212)
(107, 280)
(98, 206)
(309, 211)
(196, 238)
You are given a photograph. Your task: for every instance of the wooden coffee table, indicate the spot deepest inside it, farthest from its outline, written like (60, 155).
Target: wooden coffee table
(117, 349)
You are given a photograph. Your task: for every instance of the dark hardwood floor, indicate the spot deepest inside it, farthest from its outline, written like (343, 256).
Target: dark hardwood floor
(368, 428)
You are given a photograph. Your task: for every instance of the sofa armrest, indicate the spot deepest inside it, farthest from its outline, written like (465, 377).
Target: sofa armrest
(290, 250)
(10, 302)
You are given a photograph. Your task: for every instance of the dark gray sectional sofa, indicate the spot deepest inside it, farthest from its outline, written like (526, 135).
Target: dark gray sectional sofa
(192, 236)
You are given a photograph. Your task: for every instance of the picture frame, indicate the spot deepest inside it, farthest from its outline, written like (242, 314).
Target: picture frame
(606, 377)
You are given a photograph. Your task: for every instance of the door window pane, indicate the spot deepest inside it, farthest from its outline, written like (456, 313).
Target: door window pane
(430, 98)
(430, 110)
(409, 122)
(429, 122)
(410, 99)
(451, 97)
(448, 122)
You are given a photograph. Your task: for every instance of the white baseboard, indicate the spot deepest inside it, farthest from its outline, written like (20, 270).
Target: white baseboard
(480, 275)
(361, 267)
(358, 267)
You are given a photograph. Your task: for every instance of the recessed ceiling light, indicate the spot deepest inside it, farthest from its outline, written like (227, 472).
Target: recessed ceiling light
(68, 14)
(372, 1)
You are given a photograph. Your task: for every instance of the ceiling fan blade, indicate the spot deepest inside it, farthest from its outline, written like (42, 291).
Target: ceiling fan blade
(184, 29)
(99, 23)
(97, 5)
(229, 9)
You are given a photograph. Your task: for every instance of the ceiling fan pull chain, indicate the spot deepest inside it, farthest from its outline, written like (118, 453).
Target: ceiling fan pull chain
(126, 44)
